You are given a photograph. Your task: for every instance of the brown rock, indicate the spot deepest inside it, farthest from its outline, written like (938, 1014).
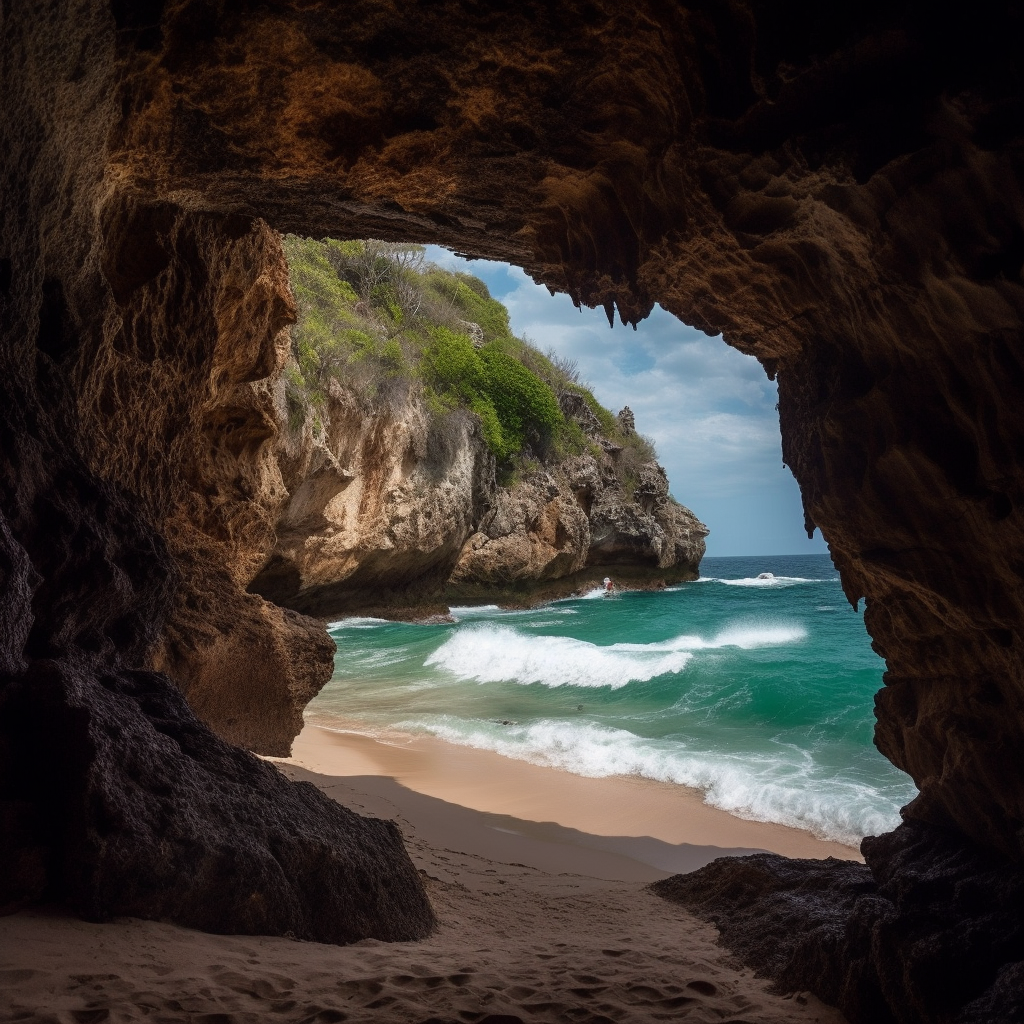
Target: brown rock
(535, 531)
(928, 930)
(380, 502)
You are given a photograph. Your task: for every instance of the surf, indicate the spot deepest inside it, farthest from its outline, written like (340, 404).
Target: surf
(744, 689)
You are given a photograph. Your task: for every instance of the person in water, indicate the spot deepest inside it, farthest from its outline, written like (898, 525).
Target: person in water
(608, 585)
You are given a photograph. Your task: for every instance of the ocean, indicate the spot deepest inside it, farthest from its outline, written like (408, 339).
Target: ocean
(759, 693)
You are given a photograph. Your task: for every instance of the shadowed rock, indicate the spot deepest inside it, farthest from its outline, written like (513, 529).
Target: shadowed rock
(929, 930)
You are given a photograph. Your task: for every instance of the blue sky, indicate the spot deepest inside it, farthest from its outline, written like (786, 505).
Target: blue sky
(709, 409)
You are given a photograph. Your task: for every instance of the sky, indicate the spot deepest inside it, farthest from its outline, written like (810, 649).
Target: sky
(709, 409)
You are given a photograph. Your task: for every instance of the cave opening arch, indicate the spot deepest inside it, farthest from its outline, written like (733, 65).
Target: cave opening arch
(838, 193)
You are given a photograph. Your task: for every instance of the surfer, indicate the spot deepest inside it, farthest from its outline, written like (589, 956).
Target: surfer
(608, 585)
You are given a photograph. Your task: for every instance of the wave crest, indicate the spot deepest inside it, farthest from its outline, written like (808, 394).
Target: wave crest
(492, 654)
(757, 581)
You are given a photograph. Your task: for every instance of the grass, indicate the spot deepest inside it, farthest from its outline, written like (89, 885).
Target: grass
(374, 314)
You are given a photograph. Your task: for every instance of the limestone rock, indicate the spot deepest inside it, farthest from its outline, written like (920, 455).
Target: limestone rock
(191, 390)
(534, 532)
(575, 514)
(574, 407)
(378, 507)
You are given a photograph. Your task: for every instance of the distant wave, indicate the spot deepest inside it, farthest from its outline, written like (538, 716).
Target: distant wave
(357, 622)
(782, 786)
(756, 581)
(471, 610)
(491, 654)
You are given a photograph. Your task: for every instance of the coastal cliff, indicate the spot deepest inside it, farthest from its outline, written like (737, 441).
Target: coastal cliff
(564, 524)
(429, 455)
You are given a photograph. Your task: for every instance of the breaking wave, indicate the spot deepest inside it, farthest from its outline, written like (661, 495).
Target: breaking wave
(784, 785)
(491, 654)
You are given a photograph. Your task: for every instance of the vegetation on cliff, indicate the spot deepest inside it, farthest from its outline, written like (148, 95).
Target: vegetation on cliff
(379, 319)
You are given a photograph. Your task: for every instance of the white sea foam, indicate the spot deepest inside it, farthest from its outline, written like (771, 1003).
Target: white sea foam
(590, 595)
(357, 622)
(757, 581)
(471, 611)
(490, 654)
(373, 658)
(782, 785)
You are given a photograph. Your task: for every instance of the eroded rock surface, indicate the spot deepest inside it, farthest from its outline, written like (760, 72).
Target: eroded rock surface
(928, 930)
(379, 505)
(575, 513)
(391, 510)
(135, 489)
(175, 405)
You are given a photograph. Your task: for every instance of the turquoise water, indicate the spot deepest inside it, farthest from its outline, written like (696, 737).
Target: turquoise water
(757, 692)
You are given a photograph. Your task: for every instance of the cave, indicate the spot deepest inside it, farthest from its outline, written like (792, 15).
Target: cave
(835, 189)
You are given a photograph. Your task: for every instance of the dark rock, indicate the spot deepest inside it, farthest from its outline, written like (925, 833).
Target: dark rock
(929, 930)
(145, 813)
(114, 798)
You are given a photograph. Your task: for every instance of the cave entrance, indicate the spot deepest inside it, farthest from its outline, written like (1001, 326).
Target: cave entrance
(430, 484)
(835, 190)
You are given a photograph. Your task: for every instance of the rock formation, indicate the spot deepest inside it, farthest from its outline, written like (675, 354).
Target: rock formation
(573, 515)
(929, 929)
(397, 495)
(836, 189)
(192, 394)
(378, 507)
(391, 510)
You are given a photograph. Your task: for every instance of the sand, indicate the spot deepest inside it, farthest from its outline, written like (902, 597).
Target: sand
(487, 782)
(539, 920)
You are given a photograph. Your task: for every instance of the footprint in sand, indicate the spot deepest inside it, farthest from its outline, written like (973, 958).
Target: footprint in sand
(705, 988)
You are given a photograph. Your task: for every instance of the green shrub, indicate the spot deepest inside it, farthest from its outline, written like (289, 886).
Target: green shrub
(527, 408)
(374, 312)
(515, 406)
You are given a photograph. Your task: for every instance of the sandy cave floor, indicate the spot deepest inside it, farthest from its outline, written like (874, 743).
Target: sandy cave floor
(514, 944)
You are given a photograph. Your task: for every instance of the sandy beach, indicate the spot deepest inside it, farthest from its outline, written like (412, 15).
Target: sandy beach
(622, 807)
(538, 881)
(537, 923)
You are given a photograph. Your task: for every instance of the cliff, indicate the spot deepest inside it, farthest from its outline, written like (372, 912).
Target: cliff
(566, 523)
(426, 456)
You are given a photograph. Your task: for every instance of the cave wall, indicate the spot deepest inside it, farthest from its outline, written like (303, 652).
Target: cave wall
(836, 190)
(131, 439)
(174, 396)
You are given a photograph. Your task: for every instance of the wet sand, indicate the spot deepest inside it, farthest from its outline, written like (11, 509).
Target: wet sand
(480, 780)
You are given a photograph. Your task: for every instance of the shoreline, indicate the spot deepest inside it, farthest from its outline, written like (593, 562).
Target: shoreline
(519, 596)
(623, 807)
